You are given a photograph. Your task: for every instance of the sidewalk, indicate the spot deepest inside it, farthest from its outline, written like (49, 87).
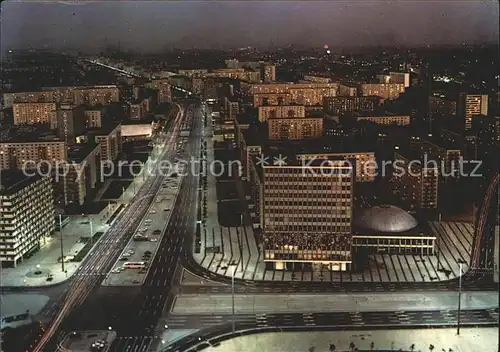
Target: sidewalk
(478, 339)
(34, 271)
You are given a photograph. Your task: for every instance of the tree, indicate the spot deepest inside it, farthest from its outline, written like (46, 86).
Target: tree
(372, 345)
(352, 346)
(412, 347)
(332, 347)
(431, 347)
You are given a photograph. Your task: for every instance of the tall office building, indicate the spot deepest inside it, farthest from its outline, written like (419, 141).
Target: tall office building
(474, 104)
(307, 215)
(26, 214)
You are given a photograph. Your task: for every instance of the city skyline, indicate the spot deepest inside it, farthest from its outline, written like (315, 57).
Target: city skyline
(156, 26)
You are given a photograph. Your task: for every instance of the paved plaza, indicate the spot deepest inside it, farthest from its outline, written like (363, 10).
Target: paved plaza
(470, 340)
(238, 245)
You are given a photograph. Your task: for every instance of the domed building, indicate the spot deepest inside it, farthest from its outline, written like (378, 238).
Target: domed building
(389, 229)
(385, 218)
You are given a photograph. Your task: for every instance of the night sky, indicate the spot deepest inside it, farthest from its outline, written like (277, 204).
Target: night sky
(154, 26)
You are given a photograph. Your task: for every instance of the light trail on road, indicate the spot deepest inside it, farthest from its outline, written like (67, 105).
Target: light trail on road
(100, 259)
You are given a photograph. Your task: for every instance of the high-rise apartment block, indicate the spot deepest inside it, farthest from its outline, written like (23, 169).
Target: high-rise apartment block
(70, 121)
(295, 128)
(400, 78)
(341, 105)
(110, 139)
(281, 112)
(33, 113)
(474, 104)
(94, 117)
(308, 94)
(363, 162)
(17, 154)
(416, 180)
(442, 106)
(26, 214)
(384, 90)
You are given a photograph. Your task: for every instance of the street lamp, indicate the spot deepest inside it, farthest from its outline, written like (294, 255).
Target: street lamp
(459, 297)
(91, 231)
(232, 294)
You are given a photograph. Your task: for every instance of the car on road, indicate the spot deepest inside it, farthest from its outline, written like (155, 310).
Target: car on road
(166, 209)
(153, 239)
(152, 212)
(123, 259)
(156, 232)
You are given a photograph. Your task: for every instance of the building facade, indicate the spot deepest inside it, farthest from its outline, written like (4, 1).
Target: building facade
(281, 112)
(363, 163)
(27, 214)
(475, 104)
(307, 216)
(341, 105)
(416, 182)
(384, 90)
(295, 128)
(33, 113)
(400, 120)
(308, 94)
(110, 139)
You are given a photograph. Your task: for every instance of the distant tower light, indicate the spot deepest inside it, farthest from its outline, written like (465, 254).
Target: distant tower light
(325, 46)
(328, 51)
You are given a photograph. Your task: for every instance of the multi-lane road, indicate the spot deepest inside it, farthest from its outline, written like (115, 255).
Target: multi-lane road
(103, 256)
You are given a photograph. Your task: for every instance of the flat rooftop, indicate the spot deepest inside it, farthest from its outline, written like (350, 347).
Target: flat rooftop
(14, 180)
(78, 152)
(104, 130)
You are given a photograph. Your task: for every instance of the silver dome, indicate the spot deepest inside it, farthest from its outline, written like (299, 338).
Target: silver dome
(386, 218)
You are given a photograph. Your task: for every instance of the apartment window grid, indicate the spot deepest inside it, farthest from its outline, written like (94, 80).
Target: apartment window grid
(23, 224)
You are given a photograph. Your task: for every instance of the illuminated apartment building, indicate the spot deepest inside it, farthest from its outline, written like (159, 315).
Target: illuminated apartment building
(383, 90)
(348, 90)
(386, 120)
(448, 157)
(110, 139)
(474, 104)
(307, 216)
(341, 105)
(26, 214)
(317, 79)
(162, 86)
(21, 154)
(400, 78)
(440, 105)
(415, 181)
(295, 128)
(364, 163)
(71, 121)
(231, 106)
(308, 94)
(269, 73)
(33, 113)
(94, 117)
(83, 173)
(281, 112)
(28, 97)
(265, 99)
(199, 72)
(98, 95)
